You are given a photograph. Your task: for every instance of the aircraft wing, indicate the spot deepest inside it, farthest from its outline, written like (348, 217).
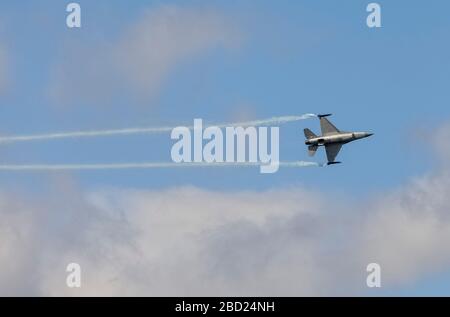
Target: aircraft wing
(327, 127)
(332, 151)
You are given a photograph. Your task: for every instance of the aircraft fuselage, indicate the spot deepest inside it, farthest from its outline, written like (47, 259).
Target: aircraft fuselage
(342, 138)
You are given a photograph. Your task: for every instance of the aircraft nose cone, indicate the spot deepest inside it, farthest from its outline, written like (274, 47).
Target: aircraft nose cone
(362, 135)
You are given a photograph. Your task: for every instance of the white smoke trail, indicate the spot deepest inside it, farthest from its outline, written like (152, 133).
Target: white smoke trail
(273, 120)
(146, 165)
(144, 130)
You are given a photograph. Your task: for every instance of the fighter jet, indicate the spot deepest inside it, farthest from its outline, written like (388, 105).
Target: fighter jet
(331, 138)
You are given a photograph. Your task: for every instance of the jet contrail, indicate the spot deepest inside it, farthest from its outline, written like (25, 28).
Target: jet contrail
(146, 165)
(144, 130)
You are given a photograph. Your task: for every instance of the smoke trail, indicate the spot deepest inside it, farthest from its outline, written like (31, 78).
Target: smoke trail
(273, 120)
(144, 130)
(146, 165)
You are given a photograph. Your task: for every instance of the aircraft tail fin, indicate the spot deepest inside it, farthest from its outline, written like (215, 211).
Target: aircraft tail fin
(312, 150)
(309, 134)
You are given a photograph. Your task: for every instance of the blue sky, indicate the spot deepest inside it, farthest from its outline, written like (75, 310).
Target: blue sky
(289, 58)
(309, 58)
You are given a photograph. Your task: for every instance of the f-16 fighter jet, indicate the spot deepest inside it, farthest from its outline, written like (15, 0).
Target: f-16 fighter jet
(332, 139)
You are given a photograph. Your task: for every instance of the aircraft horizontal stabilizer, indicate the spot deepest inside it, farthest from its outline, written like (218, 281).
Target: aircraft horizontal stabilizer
(312, 150)
(309, 134)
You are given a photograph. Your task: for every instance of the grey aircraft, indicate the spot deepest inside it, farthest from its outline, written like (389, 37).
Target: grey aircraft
(332, 139)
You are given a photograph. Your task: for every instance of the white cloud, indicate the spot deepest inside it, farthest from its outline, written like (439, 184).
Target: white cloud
(191, 241)
(143, 57)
